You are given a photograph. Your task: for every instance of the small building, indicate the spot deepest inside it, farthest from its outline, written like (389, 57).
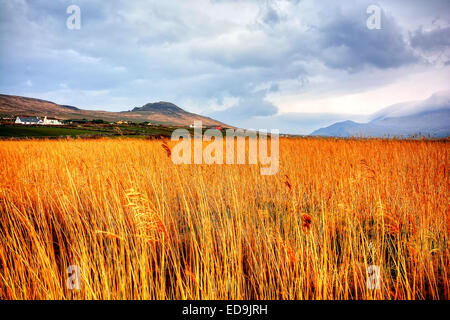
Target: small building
(51, 121)
(37, 120)
(28, 120)
(122, 122)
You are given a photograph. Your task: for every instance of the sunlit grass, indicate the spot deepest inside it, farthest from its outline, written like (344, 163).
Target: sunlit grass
(140, 227)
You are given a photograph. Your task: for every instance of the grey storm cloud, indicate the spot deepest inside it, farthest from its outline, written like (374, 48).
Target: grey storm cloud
(250, 106)
(198, 53)
(435, 39)
(348, 44)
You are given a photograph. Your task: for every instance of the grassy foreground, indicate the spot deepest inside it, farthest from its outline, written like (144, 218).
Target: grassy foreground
(140, 227)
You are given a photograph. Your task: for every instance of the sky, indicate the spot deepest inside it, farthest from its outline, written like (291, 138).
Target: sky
(293, 65)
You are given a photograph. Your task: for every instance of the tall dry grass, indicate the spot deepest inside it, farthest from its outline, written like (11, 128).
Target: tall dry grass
(140, 227)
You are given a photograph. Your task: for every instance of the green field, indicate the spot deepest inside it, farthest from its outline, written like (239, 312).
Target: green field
(110, 130)
(31, 131)
(137, 131)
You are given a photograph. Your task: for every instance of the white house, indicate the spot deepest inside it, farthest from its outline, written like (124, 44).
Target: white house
(37, 120)
(51, 121)
(28, 120)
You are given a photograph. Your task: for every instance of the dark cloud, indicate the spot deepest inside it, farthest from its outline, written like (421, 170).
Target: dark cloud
(347, 43)
(269, 14)
(435, 39)
(252, 105)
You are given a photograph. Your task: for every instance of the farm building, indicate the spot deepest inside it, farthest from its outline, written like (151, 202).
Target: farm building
(37, 120)
(51, 121)
(28, 120)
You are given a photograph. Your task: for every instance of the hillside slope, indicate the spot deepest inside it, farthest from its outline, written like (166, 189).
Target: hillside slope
(159, 112)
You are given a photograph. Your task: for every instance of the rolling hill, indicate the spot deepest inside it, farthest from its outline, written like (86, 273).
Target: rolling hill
(158, 112)
(430, 117)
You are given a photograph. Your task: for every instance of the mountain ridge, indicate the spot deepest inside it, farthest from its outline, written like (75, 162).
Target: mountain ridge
(157, 112)
(430, 117)
(158, 106)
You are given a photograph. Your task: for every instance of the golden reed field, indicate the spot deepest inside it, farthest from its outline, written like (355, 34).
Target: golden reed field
(140, 227)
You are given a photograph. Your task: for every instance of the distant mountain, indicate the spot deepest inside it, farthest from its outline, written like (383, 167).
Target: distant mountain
(159, 112)
(165, 107)
(339, 129)
(430, 117)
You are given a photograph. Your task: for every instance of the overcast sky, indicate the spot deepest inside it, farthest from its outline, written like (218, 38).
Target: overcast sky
(258, 64)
